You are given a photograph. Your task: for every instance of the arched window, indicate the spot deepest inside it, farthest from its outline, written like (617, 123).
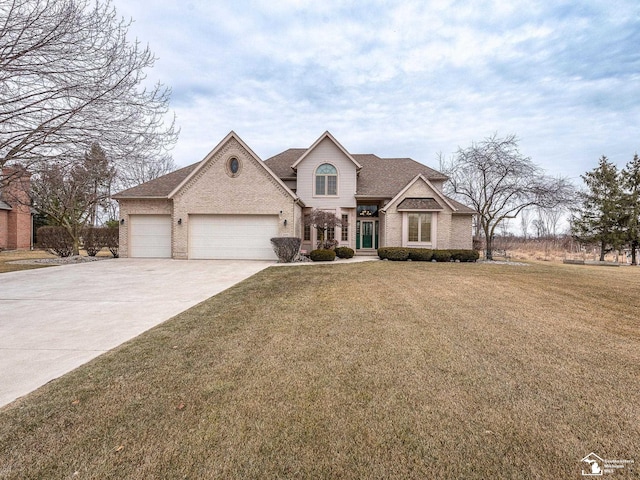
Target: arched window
(326, 180)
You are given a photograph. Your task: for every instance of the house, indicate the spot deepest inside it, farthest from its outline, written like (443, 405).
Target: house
(16, 225)
(230, 204)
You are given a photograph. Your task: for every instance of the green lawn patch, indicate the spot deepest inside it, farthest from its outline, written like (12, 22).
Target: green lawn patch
(367, 370)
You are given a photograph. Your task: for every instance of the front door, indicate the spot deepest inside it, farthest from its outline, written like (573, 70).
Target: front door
(367, 234)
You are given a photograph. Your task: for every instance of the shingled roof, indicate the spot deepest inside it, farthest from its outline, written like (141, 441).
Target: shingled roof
(161, 187)
(379, 177)
(385, 177)
(419, 204)
(280, 164)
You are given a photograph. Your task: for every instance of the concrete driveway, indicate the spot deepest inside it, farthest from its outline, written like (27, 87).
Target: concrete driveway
(55, 319)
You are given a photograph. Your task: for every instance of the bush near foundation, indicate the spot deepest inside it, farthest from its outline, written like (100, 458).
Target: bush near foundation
(344, 252)
(322, 255)
(393, 253)
(465, 255)
(420, 254)
(441, 255)
(286, 248)
(426, 254)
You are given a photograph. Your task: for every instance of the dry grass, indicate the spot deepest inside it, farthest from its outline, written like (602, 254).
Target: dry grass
(372, 370)
(12, 255)
(556, 251)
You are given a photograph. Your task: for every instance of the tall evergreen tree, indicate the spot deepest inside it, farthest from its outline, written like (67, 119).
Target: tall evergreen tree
(631, 184)
(600, 217)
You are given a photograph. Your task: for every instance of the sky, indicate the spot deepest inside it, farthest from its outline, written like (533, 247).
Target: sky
(400, 79)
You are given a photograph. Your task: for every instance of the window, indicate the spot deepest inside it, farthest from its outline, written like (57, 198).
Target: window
(345, 228)
(307, 230)
(367, 211)
(420, 227)
(331, 233)
(326, 180)
(233, 167)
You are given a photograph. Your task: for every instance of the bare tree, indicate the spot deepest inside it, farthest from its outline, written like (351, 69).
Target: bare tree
(525, 222)
(140, 169)
(68, 78)
(323, 221)
(548, 219)
(134, 171)
(500, 182)
(68, 194)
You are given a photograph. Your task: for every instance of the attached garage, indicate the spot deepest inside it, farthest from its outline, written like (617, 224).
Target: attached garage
(232, 236)
(150, 236)
(228, 206)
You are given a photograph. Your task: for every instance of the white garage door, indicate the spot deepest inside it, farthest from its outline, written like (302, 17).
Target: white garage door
(150, 236)
(232, 236)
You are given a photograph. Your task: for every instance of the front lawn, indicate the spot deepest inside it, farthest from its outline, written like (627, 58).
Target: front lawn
(6, 257)
(369, 370)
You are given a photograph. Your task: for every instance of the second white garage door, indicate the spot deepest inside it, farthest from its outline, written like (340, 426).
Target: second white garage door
(232, 236)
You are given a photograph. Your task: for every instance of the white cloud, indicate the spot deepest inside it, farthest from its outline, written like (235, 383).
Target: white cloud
(406, 78)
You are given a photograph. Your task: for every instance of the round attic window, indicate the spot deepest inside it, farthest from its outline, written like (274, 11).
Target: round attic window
(233, 166)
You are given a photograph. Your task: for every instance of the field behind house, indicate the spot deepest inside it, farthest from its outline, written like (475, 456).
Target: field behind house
(370, 370)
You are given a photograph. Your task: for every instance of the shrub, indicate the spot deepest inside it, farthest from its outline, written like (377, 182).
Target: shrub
(93, 240)
(465, 255)
(420, 254)
(57, 240)
(322, 255)
(441, 255)
(327, 245)
(344, 252)
(426, 254)
(286, 248)
(111, 239)
(397, 254)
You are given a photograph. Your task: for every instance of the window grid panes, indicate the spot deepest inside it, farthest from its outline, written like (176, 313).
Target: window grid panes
(425, 227)
(332, 185)
(326, 180)
(345, 228)
(419, 227)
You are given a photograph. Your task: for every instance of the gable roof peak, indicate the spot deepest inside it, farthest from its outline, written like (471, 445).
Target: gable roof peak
(327, 135)
(421, 177)
(202, 164)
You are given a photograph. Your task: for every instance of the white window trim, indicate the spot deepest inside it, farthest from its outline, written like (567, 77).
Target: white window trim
(343, 228)
(434, 231)
(321, 195)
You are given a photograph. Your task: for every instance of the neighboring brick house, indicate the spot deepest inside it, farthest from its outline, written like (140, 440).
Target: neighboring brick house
(231, 203)
(16, 224)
